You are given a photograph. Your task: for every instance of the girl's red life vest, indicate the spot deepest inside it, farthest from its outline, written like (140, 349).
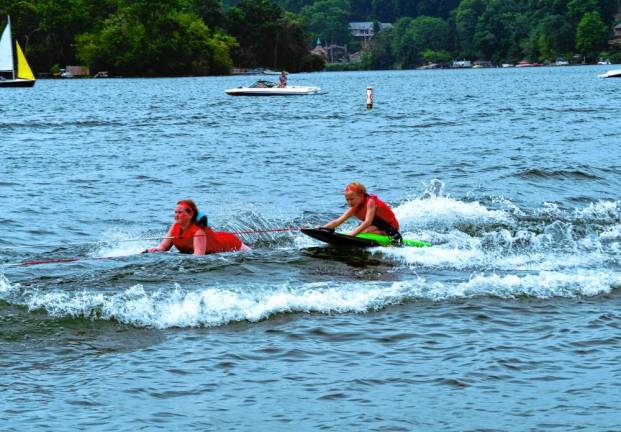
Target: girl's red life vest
(216, 241)
(382, 211)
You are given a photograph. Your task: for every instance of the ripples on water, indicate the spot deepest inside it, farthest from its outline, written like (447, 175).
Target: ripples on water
(509, 322)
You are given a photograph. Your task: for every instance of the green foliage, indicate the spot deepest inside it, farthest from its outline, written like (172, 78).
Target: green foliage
(174, 44)
(344, 67)
(413, 36)
(268, 36)
(466, 20)
(536, 30)
(591, 35)
(329, 20)
(614, 57)
(313, 63)
(440, 56)
(254, 23)
(176, 37)
(577, 8)
(382, 55)
(291, 48)
(211, 11)
(294, 5)
(553, 35)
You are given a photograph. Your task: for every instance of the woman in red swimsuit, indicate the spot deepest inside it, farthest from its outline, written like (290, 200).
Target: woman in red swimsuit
(192, 237)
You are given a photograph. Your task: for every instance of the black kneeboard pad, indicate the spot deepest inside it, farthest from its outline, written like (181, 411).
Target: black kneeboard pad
(338, 239)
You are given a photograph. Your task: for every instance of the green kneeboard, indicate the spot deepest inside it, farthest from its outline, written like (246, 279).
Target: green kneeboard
(362, 240)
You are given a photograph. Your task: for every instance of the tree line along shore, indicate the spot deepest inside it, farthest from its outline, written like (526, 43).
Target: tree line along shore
(212, 37)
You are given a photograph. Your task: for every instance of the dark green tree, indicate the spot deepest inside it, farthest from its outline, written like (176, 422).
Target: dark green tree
(176, 43)
(591, 35)
(361, 10)
(291, 52)
(385, 10)
(254, 23)
(329, 20)
(382, 55)
(466, 20)
(414, 36)
(269, 37)
(211, 11)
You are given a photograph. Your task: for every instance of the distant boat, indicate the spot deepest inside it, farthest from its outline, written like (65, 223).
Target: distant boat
(524, 63)
(242, 71)
(268, 88)
(462, 64)
(507, 65)
(611, 74)
(21, 74)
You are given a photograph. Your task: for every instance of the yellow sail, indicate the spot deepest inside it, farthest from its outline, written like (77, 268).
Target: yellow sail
(23, 70)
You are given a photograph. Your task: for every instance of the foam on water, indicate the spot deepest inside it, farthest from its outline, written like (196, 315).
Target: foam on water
(214, 306)
(434, 211)
(600, 211)
(611, 233)
(119, 243)
(549, 239)
(507, 253)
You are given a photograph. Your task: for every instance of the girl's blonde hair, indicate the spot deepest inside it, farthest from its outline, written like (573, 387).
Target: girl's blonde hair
(356, 187)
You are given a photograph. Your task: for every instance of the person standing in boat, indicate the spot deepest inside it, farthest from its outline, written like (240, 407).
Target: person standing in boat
(282, 81)
(191, 235)
(377, 217)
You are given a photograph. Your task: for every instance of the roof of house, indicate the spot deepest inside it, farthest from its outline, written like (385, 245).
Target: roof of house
(318, 50)
(367, 25)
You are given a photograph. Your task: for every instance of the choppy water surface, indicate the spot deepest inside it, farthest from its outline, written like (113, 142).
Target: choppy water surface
(510, 322)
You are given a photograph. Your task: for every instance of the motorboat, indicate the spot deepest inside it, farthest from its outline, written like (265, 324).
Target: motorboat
(611, 74)
(269, 88)
(524, 64)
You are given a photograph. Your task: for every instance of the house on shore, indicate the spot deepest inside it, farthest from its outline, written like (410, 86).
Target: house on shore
(75, 71)
(616, 39)
(363, 31)
(331, 53)
(463, 64)
(366, 29)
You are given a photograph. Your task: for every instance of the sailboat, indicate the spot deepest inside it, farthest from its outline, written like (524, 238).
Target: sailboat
(22, 75)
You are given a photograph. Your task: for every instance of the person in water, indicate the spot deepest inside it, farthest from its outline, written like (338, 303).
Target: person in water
(192, 236)
(377, 217)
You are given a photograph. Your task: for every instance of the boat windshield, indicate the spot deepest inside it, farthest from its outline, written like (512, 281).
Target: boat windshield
(264, 84)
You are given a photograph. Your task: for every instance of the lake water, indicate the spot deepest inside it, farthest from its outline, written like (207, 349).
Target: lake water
(511, 322)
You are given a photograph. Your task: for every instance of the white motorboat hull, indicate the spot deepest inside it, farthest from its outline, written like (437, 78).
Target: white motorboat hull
(273, 91)
(611, 74)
